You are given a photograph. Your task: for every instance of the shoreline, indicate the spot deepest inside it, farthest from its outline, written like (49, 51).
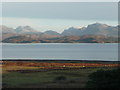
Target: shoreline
(58, 43)
(56, 60)
(60, 61)
(57, 65)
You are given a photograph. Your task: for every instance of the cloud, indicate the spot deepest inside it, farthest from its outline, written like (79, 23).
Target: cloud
(62, 10)
(51, 24)
(16, 21)
(38, 24)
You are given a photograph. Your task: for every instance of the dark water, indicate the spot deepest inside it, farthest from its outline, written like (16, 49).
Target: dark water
(65, 51)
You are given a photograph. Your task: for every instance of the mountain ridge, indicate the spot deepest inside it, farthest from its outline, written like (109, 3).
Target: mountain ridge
(72, 34)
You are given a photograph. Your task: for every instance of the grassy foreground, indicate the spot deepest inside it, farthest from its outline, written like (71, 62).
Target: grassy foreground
(50, 74)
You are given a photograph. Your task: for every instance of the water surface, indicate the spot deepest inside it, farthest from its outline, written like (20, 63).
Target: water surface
(64, 51)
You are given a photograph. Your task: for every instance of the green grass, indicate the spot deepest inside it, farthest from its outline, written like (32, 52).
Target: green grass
(74, 79)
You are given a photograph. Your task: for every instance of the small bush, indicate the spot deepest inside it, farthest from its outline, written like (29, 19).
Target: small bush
(60, 78)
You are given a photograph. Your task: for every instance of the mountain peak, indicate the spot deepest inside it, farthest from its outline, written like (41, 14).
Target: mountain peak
(51, 32)
(28, 27)
(24, 29)
(72, 31)
(6, 29)
(98, 24)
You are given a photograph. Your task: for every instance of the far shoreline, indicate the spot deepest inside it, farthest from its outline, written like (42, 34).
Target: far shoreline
(60, 61)
(61, 43)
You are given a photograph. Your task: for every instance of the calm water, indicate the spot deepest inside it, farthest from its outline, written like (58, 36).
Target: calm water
(84, 51)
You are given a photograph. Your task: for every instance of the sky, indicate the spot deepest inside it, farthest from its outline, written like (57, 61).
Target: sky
(58, 16)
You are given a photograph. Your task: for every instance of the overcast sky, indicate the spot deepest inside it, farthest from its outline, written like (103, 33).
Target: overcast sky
(60, 15)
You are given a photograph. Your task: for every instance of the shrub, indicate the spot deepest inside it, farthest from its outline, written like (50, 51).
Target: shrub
(60, 78)
(104, 79)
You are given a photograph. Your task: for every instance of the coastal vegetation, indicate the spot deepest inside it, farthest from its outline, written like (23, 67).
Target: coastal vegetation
(50, 74)
(104, 79)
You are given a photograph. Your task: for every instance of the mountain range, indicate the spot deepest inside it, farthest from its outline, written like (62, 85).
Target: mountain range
(96, 32)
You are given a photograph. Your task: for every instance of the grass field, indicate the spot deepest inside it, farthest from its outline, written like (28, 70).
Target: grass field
(50, 74)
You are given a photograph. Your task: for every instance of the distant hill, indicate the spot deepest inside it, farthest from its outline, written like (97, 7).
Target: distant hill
(93, 29)
(5, 29)
(93, 33)
(72, 31)
(25, 29)
(50, 32)
(101, 29)
(6, 32)
(62, 39)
